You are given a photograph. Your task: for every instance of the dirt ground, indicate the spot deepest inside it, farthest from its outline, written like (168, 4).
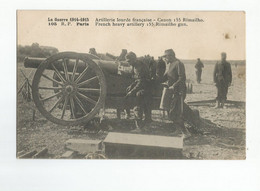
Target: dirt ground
(222, 135)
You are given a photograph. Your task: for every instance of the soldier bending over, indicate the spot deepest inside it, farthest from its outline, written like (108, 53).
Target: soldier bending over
(141, 89)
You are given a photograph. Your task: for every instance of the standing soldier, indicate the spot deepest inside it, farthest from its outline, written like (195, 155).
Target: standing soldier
(199, 65)
(141, 89)
(122, 55)
(127, 110)
(160, 67)
(222, 78)
(176, 82)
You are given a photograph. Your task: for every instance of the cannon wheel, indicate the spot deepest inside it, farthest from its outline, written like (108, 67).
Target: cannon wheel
(72, 91)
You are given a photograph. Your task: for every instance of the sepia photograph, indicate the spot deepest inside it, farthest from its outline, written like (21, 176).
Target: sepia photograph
(131, 85)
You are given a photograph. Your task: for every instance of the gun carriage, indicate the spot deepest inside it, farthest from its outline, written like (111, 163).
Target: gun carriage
(70, 88)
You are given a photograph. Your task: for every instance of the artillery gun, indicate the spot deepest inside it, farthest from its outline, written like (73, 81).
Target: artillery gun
(70, 88)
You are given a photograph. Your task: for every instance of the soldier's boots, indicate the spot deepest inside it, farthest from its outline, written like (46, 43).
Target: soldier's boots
(217, 104)
(223, 105)
(220, 104)
(138, 126)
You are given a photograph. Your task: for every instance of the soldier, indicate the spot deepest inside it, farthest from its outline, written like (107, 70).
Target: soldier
(199, 65)
(222, 78)
(122, 55)
(160, 67)
(122, 58)
(176, 82)
(93, 51)
(141, 89)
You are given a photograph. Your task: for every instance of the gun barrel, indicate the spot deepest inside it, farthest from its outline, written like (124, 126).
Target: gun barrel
(108, 66)
(30, 62)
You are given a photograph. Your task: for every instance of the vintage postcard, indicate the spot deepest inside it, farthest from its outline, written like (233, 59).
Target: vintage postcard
(131, 85)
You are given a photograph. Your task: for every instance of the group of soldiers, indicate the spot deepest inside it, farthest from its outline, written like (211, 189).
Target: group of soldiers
(174, 79)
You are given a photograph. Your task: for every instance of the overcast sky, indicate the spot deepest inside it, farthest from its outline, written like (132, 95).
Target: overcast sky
(220, 31)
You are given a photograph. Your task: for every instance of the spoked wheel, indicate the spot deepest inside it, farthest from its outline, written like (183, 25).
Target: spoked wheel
(69, 88)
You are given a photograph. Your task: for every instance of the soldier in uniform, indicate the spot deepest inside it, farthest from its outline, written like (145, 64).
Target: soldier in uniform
(199, 65)
(93, 51)
(141, 89)
(222, 78)
(176, 82)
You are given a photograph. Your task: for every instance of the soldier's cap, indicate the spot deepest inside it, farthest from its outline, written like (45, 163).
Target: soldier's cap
(169, 52)
(130, 56)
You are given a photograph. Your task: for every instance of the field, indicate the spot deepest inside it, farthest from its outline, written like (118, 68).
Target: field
(223, 138)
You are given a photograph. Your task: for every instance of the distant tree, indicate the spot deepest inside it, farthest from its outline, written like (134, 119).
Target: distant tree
(35, 50)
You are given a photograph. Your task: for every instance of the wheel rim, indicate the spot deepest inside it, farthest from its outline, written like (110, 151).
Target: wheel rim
(72, 92)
